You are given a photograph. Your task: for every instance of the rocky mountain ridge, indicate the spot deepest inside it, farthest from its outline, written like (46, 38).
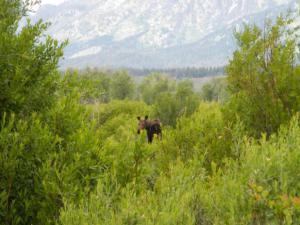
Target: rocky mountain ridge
(153, 33)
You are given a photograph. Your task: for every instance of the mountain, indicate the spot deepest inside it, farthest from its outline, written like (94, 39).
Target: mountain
(153, 33)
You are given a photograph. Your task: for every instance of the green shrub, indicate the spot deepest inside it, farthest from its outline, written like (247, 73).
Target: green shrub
(92, 86)
(67, 116)
(206, 133)
(168, 203)
(154, 85)
(122, 86)
(263, 77)
(28, 65)
(24, 147)
(215, 90)
(104, 112)
(262, 187)
(73, 170)
(169, 106)
(76, 165)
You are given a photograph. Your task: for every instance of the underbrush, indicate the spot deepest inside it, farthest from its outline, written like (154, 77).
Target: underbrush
(147, 184)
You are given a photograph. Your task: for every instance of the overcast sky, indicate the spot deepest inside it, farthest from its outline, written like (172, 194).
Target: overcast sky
(54, 2)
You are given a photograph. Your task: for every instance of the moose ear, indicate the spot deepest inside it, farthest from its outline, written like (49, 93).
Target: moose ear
(146, 117)
(139, 118)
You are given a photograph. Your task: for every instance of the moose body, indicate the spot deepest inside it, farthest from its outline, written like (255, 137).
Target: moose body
(151, 126)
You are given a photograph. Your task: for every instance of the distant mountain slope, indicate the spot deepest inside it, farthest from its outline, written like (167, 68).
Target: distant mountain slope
(153, 33)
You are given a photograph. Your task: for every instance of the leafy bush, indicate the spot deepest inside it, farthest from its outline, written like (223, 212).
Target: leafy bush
(263, 77)
(261, 188)
(76, 164)
(215, 90)
(153, 86)
(104, 112)
(41, 163)
(168, 203)
(25, 145)
(170, 106)
(93, 86)
(122, 86)
(28, 65)
(204, 133)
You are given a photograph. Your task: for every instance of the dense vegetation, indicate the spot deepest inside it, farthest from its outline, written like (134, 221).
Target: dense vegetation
(69, 152)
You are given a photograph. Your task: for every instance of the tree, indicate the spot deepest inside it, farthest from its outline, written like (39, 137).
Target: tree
(28, 82)
(98, 83)
(28, 61)
(169, 106)
(122, 86)
(215, 90)
(92, 85)
(187, 99)
(154, 85)
(263, 76)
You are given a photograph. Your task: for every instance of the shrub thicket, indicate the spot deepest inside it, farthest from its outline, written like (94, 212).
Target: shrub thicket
(70, 153)
(28, 65)
(263, 76)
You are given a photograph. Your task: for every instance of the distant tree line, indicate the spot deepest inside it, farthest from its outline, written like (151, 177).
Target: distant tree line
(187, 72)
(180, 72)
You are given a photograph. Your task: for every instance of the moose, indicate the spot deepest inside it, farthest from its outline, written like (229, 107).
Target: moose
(152, 127)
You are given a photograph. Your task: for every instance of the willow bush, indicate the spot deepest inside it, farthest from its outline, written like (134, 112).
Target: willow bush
(70, 153)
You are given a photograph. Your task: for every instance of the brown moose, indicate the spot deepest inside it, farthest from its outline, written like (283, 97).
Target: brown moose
(152, 127)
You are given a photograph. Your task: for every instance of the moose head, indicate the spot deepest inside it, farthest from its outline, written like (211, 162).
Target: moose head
(142, 124)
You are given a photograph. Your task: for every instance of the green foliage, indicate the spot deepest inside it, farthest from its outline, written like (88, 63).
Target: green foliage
(166, 108)
(105, 112)
(66, 116)
(92, 85)
(73, 170)
(75, 166)
(215, 90)
(122, 86)
(25, 145)
(28, 62)
(263, 76)
(78, 159)
(208, 135)
(260, 189)
(154, 85)
(169, 203)
(187, 99)
(204, 171)
(171, 106)
(41, 164)
(180, 73)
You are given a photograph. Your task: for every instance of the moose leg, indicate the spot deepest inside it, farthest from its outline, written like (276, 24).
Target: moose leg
(160, 135)
(159, 132)
(149, 136)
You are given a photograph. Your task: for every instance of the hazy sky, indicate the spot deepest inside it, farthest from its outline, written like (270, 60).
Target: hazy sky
(54, 2)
